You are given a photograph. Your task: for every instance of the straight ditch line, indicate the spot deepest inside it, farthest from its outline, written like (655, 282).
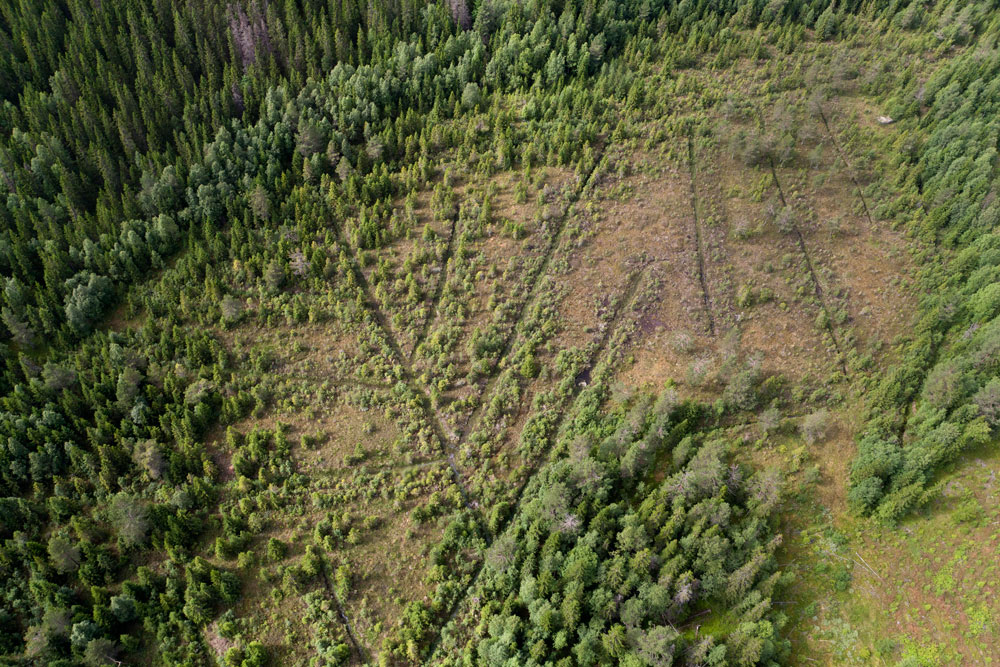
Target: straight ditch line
(472, 424)
(438, 290)
(812, 272)
(358, 651)
(593, 362)
(706, 302)
(850, 169)
(431, 417)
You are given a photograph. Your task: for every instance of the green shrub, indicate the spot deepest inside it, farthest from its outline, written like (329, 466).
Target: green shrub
(276, 549)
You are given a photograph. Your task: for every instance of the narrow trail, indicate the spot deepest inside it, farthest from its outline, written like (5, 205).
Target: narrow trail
(850, 169)
(593, 362)
(817, 286)
(702, 280)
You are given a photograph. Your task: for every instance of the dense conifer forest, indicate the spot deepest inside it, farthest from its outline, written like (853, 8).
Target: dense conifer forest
(499, 332)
